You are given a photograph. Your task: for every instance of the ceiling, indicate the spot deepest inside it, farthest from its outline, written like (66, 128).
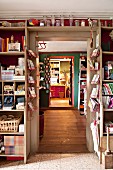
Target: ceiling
(36, 8)
(25, 9)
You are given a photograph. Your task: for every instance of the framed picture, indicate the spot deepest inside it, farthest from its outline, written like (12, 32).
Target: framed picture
(19, 72)
(14, 47)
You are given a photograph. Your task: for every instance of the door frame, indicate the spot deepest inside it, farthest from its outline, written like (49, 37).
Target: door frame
(69, 57)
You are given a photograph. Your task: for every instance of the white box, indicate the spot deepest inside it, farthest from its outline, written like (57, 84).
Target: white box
(14, 47)
(21, 128)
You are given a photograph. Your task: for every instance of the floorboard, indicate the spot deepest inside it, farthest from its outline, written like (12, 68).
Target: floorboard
(64, 132)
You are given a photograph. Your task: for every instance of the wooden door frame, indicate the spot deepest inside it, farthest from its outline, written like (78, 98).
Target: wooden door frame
(69, 57)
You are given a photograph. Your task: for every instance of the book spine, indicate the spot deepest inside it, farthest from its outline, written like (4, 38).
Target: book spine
(0, 44)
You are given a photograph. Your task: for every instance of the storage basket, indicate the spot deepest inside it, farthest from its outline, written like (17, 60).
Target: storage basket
(10, 123)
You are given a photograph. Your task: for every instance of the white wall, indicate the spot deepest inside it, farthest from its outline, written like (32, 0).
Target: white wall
(63, 46)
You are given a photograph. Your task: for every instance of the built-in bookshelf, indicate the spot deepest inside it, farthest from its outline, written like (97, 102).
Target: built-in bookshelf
(82, 83)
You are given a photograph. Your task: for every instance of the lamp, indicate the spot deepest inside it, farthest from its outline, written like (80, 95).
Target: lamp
(41, 45)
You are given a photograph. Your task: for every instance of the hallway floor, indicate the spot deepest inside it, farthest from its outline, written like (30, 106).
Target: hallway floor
(64, 132)
(59, 102)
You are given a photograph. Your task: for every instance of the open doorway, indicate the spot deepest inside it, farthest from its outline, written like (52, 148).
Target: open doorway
(61, 84)
(56, 54)
(61, 127)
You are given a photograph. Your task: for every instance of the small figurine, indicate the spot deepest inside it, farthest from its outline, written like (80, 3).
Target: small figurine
(90, 22)
(12, 39)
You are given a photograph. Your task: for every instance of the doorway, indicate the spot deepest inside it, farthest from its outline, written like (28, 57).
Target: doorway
(72, 51)
(61, 130)
(62, 81)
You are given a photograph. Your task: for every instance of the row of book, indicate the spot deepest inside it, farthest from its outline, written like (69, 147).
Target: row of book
(107, 102)
(6, 45)
(107, 89)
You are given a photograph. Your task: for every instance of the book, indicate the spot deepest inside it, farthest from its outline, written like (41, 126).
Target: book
(95, 79)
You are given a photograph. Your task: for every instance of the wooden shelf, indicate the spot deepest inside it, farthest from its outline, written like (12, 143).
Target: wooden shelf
(12, 53)
(12, 28)
(3, 154)
(111, 133)
(109, 110)
(83, 78)
(107, 28)
(12, 81)
(107, 81)
(83, 69)
(11, 133)
(1, 110)
(107, 52)
(61, 28)
(107, 95)
(8, 94)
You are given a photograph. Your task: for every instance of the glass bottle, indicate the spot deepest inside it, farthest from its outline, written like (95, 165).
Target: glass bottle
(83, 23)
(71, 20)
(62, 20)
(57, 22)
(53, 20)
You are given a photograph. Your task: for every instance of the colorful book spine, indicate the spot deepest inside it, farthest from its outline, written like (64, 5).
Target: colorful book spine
(0, 44)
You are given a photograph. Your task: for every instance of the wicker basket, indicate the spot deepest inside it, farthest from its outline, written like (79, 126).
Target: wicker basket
(10, 123)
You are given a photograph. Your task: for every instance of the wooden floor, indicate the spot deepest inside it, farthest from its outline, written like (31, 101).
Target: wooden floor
(59, 102)
(64, 132)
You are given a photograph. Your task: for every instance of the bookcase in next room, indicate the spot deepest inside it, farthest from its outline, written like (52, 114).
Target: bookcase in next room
(82, 82)
(107, 79)
(13, 94)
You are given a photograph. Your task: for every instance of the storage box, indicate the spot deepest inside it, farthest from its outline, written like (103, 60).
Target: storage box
(18, 140)
(107, 161)
(21, 128)
(19, 150)
(9, 150)
(7, 74)
(8, 140)
(14, 47)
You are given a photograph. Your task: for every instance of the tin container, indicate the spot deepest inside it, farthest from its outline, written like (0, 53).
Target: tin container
(76, 22)
(83, 23)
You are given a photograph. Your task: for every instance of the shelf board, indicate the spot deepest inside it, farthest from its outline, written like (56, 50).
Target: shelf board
(95, 83)
(12, 53)
(14, 110)
(3, 154)
(107, 52)
(83, 78)
(8, 94)
(19, 95)
(41, 63)
(61, 28)
(107, 95)
(110, 110)
(107, 81)
(11, 133)
(107, 28)
(111, 133)
(83, 69)
(12, 28)
(12, 81)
